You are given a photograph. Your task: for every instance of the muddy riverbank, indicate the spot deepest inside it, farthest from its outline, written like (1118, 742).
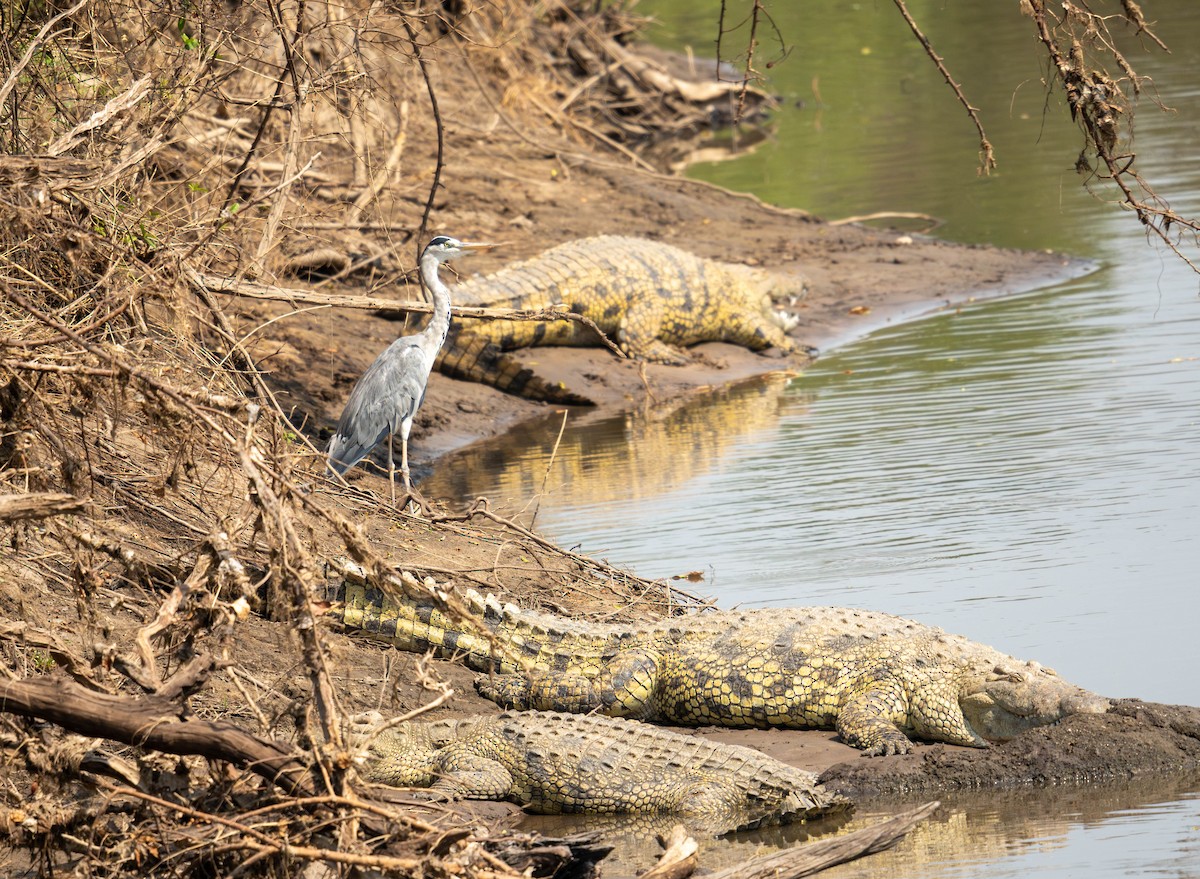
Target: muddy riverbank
(169, 496)
(530, 189)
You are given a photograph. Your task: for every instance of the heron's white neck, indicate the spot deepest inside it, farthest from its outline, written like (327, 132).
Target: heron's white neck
(439, 324)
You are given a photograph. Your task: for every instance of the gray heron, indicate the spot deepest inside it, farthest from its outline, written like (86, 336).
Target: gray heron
(387, 396)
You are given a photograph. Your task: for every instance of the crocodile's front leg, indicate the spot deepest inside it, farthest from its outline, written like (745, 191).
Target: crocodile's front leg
(935, 713)
(624, 687)
(871, 720)
(473, 777)
(875, 718)
(639, 335)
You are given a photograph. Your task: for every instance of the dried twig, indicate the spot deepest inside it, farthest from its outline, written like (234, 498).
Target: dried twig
(680, 857)
(295, 569)
(291, 156)
(123, 102)
(38, 505)
(256, 841)
(166, 617)
(35, 44)
(931, 221)
(439, 128)
(987, 156)
(813, 857)
(255, 290)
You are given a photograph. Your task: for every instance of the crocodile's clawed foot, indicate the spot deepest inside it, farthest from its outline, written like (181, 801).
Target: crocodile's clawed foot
(889, 748)
(501, 689)
(485, 686)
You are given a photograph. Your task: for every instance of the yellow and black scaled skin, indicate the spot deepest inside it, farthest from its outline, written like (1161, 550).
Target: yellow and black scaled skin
(876, 678)
(652, 299)
(555, 763)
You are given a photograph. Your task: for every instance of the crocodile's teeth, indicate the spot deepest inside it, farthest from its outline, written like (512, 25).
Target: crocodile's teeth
(786, 320)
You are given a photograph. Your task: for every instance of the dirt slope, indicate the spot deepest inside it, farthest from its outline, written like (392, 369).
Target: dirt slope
(123, 385)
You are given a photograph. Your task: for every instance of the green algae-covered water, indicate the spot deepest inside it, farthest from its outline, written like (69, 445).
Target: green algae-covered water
(1025, 472)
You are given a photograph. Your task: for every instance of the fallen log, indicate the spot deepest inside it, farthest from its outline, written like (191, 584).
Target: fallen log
(813, 857)
(155, 723)
(37, 505)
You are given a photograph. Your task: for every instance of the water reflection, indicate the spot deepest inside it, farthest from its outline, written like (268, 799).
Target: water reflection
(1025, 457)
(616, 462)
(1024, 472)
(1007, 472)
(1130, 827)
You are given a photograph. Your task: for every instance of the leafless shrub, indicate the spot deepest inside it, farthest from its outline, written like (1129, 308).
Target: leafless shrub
(147, 144)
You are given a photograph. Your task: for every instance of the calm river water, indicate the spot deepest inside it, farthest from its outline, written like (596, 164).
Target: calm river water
(1025, 472)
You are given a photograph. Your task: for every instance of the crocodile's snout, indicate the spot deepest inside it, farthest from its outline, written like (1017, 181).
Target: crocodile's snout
(1002, 709)
(1085, 702)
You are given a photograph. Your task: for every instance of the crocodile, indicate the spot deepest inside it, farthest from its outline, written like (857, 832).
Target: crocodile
(878, 679)
(651, 298)
(553, 763)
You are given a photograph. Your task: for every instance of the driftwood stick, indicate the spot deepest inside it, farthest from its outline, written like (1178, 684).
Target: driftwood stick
(255, 290)
(39, 505)
(813, 857)
(155, 723)
(680, 858)
(299, 575)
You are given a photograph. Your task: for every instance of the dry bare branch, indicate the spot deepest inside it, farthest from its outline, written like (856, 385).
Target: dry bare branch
(32, 48)
(813, 857)
(37, 505)
(987, 155)
(1078, 43)
(153, 722)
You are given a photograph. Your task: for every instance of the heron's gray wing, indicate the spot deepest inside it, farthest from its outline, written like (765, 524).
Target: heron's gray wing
(386, 396)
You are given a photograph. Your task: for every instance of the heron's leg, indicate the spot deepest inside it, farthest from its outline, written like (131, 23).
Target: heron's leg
(405, 427)
(392, 470)
(410, 493)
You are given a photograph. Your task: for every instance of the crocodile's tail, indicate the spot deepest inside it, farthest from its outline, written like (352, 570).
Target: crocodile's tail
(495, 637)
(416, 623)
(472, 357)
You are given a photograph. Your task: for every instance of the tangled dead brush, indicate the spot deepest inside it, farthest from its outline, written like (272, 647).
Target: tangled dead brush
(183, 487)
(1102, 90)
(151, 492)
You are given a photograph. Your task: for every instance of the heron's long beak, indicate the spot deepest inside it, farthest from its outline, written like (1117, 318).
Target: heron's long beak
(476, 246)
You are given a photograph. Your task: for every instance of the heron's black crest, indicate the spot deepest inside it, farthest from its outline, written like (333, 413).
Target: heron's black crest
(441, 239)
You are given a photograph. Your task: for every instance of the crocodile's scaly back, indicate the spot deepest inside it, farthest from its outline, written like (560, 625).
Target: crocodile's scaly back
(651, 298)
(874, 677)
(506, 640)
(560, 763)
